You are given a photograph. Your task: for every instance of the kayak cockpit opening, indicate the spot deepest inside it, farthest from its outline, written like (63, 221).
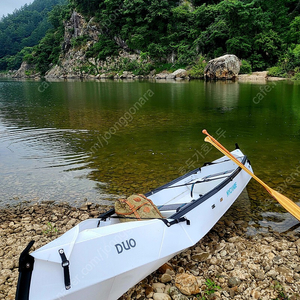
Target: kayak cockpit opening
(180, 196)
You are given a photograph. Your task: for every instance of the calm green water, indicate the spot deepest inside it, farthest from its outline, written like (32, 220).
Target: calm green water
(71, 141)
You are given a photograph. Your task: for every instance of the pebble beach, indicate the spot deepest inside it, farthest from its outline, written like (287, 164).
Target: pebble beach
(225, 264)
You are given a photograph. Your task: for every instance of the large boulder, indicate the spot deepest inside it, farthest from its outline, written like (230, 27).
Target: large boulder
(224, 67)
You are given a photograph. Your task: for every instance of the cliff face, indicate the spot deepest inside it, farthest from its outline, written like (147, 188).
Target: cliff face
(26, 71)
(73, 56)
(80, 36)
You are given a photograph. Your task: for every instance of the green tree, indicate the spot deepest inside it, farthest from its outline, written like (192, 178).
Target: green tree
(48, 50)
(262, 32)
(24, 28)
(294, 32)
(103, 48)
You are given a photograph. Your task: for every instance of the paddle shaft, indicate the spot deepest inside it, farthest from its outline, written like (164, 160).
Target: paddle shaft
(216, 144)
(288, 204)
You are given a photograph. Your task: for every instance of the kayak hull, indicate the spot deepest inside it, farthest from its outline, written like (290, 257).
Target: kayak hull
(106, 257)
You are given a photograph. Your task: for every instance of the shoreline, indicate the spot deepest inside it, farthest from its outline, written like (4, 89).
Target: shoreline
(165, 76)
(240, 79)
(265, 266)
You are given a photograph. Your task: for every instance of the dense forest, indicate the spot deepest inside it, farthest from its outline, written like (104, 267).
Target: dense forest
(22, 30)
(263, 33)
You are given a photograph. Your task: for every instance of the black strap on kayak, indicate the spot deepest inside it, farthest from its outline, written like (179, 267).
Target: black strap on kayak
(26, 264)
(107, 214)
(65, 264)
(165, 207)
(167, 222)
(176, 221)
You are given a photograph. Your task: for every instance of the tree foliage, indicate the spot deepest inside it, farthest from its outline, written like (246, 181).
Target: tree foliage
(262, 32)
(256, 30)
(22, 29)
(48, 50)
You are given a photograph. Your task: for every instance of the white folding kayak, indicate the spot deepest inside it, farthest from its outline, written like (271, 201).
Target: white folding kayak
(100, 259)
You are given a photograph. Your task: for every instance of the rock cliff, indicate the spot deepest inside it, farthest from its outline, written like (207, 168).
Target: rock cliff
(26, 70)
(73, 56)
(80, 36)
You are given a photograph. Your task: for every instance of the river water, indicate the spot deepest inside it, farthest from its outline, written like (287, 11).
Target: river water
(97, 140)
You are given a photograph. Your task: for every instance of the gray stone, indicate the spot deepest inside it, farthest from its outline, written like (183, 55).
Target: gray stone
(176, 295)
(200, 256)
(234, 281)
(259, 275)
(170, 76)
(161, 296)
(158, 287)
(162, 75)
(224, 67)
(272, 273)
(278, 260)
(165, 278)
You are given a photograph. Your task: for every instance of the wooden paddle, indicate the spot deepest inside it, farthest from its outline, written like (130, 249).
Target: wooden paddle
(288, 204)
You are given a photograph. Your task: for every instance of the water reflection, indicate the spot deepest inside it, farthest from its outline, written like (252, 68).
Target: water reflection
(223, 95)
(47, 132)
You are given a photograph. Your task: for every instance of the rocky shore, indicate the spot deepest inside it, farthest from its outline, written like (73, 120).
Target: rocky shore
(178, 75)
(258, 77)
(225, 264)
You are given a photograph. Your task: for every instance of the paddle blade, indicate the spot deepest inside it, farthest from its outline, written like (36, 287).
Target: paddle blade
(288, 204)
